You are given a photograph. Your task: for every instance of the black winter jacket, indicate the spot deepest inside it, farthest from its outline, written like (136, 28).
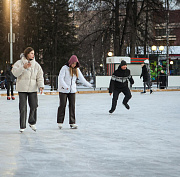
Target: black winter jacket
(9, 76)
(120, 79)
(145, 74)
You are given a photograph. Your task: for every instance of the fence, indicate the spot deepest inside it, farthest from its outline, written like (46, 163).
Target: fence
(103, 82)
(51, 82)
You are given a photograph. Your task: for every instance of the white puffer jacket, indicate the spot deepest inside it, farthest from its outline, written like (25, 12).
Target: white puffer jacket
(67, 83)
(28, 80)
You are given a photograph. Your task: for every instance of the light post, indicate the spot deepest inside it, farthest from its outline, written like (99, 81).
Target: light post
(154, 49)
(11, 35)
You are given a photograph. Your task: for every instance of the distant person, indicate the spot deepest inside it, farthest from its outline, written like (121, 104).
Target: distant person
(10, 80)
(162, 80)
(2, 80)
(119, 83)
(29, 79)
(146, 76)
(68, 75)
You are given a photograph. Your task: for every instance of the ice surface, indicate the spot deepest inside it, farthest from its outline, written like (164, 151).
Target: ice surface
(141, 142)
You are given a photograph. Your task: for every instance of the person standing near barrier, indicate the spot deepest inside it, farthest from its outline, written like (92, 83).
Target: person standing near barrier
(146, 76)
(68, 75)
(10, 80)
(119, 83)
(29, 79)
(2, 79)
(162, 80)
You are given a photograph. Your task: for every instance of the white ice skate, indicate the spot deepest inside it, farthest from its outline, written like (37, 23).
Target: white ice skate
(21, 130)
(33, 127)
(60, 125)
(73, 126)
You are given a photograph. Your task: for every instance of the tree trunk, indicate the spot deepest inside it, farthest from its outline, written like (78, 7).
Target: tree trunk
(133, 22)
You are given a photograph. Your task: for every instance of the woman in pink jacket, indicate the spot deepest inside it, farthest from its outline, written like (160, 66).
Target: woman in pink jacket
(68, 75)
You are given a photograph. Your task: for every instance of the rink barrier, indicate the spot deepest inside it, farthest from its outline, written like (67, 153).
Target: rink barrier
(99, 91)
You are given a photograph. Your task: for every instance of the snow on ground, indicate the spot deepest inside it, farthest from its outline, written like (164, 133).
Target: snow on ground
(141, 142)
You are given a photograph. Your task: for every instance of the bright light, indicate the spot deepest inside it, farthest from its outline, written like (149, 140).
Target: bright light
(101, 65)
(154, 48)
(161, 48)
(110, 54)
(171, 62)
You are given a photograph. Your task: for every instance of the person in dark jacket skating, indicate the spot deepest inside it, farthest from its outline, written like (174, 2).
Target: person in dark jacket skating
(10, 79)
(146, 77)
(119, 83)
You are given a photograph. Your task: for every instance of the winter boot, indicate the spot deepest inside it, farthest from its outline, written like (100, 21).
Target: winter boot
(13, 98)
(73, 126)
(60, 125)
(8, 98)
(126, 105)
(33, 127)
(111, 111)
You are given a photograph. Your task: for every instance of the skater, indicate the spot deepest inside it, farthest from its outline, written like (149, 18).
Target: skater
(119, 83)
(146, 76)
(29, 78)
(162, 80)
(10, 80)
(67, 89)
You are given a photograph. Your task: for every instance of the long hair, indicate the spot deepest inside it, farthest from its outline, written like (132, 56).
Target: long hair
(73, 71)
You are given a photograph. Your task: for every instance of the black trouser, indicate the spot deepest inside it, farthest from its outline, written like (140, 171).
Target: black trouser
(62, 106)
(10, 84)
(33, 104)
(116, 93)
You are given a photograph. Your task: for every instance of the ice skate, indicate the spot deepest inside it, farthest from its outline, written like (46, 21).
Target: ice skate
(33, 127)
(60, 125)
(151, 91)
(73, 126)
(8, 98)
(143, 92)
(21, 130)
(13, 98)
(126, 105)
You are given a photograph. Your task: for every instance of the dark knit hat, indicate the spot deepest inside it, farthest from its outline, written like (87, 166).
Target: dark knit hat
(74, 59)
(123, 63)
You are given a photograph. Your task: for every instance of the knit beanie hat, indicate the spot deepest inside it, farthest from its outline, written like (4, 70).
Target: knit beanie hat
(74, 59)
(123, 63)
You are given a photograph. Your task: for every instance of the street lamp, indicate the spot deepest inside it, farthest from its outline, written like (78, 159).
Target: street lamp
(154, 48)
(110, 54)
(11, 35)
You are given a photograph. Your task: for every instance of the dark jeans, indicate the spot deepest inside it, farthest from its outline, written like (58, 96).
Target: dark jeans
(10, 84)
(62, 106)
(33, 104)
(148, 83)
(116, 93)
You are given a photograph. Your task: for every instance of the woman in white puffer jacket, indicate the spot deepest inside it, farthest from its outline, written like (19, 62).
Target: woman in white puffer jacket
(29, 79)
(67, 89)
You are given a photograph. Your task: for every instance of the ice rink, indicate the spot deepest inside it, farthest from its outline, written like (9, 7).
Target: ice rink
(141, 142)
